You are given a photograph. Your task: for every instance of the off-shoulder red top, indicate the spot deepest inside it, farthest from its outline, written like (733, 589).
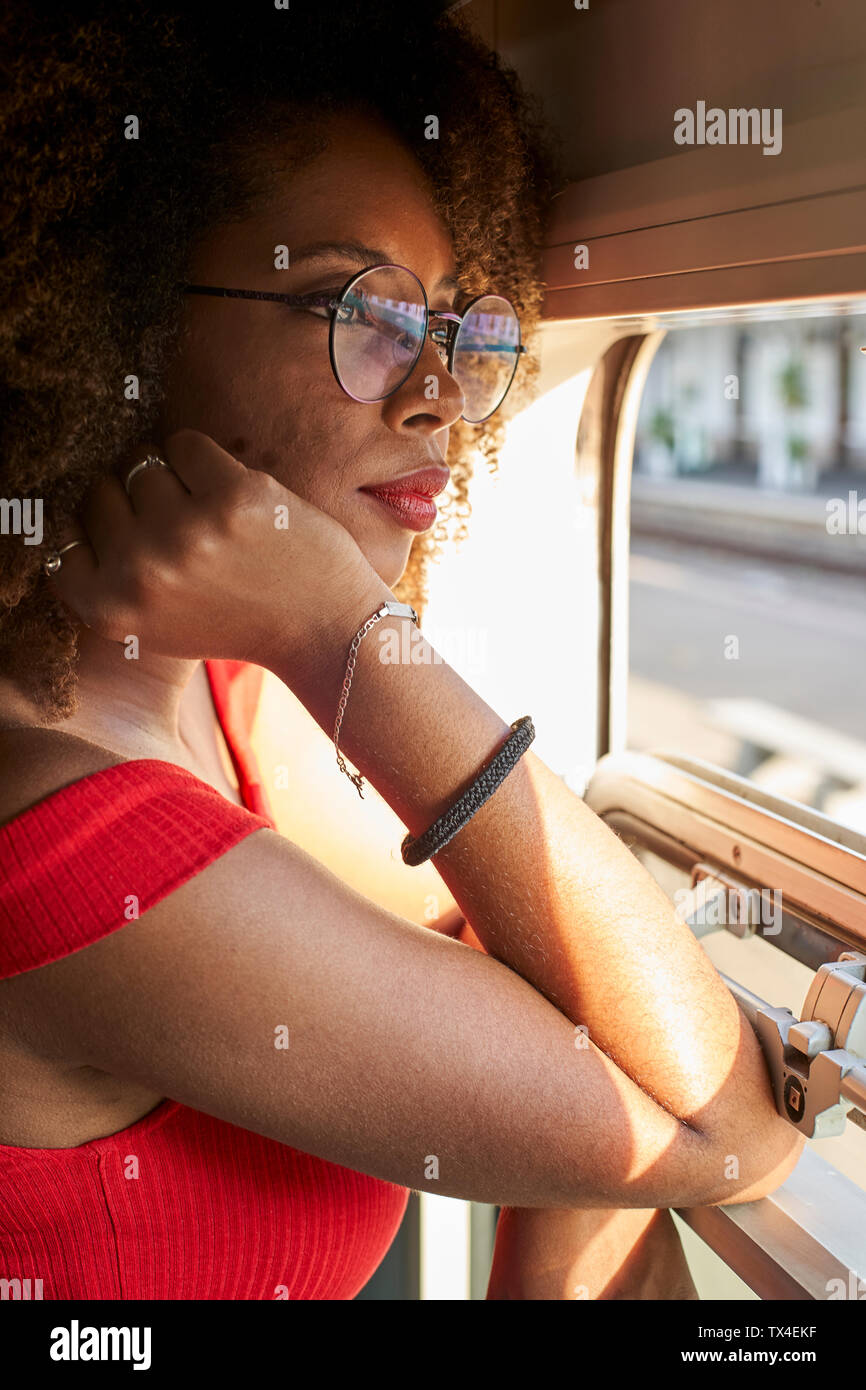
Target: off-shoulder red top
(179, 1205)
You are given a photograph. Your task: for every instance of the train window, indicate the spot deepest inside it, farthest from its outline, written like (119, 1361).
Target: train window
(704, 314)
(738, 772)
(747, 634)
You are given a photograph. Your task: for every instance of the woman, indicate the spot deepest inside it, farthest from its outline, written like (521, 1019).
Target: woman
(224, 1068)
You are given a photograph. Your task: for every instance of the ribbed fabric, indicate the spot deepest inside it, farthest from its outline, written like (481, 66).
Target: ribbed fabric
(99, 852)
(235, 689)
(178, 1205)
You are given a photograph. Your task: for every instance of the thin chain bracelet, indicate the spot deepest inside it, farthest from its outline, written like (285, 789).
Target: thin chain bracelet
(398, 610)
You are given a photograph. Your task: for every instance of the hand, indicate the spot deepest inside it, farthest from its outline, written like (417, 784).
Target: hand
(195, 565)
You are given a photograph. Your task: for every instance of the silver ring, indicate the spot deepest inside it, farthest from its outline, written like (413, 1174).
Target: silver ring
(53, 561)
(152, 461)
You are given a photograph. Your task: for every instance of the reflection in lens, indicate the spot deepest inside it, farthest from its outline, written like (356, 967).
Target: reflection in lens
(378, 332)
(486, 354)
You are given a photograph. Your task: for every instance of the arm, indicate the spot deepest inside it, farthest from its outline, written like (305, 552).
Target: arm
(406, 1045)
(550, 1254)
(452, 923)
(553, 893)
(582, 1254)
(403, 1045)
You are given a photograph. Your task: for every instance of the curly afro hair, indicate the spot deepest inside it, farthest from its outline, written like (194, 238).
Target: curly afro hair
(98, 229)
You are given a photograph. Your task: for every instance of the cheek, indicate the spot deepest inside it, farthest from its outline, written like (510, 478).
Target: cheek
(310, 443)
(278, 411)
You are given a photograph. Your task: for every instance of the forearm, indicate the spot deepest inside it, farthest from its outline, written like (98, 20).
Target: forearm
(589, 1253)
(548, 888)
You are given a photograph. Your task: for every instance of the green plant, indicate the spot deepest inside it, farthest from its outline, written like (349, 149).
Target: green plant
(661, 428)
(798, 448)
(792, 385)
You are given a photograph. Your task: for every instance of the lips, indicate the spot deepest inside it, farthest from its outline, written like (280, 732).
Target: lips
(409, 499)
(424, 482)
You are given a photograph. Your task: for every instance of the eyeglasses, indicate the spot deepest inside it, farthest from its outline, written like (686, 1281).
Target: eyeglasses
(380, 321)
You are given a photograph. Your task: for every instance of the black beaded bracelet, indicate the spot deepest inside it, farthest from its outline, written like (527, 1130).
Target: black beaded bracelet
(481, 789)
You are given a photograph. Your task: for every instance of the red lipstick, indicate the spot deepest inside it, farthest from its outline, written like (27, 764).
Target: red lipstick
(409, 499)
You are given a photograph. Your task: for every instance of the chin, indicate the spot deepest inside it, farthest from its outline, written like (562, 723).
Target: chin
(388, 564)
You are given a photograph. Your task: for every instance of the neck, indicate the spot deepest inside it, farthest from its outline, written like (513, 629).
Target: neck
(131, 707)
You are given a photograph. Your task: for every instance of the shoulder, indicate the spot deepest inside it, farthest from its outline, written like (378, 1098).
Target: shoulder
(37, 762)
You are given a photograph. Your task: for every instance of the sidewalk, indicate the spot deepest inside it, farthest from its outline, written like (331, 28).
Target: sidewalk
(748, 521)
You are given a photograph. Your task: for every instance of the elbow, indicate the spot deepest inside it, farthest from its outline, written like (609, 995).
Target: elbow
(751, 1150)
(770, 1169)
(747, 1167)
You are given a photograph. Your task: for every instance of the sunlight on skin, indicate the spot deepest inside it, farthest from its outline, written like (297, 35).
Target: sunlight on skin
(358, 842)
(589, 1255)
(320, 810)
(482, 588)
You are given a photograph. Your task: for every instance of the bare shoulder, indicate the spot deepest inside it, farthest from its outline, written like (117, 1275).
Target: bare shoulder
(39, 761)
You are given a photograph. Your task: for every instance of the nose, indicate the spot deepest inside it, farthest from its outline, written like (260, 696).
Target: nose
(430, 398)
(442, 327)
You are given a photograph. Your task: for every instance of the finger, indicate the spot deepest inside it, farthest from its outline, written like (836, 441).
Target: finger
(201, 464)
(153, 492)
(107, 517)
(78, 567)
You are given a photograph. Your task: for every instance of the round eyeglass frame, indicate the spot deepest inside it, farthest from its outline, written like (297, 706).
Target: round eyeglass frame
(443, 337)
(447, 340)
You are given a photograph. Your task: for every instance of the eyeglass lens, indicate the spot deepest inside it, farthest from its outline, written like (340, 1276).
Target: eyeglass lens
(377, 335)
(486, 355)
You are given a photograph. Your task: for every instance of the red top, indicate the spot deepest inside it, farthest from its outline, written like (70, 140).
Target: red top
(179, 1205)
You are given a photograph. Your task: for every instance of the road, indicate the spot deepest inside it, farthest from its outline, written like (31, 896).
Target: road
(799, 635)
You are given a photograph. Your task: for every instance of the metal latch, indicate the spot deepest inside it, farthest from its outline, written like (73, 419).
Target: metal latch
(815, 1063)
(810, 1058)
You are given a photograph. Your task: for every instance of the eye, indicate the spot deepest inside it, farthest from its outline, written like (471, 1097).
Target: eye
(319, 301)
(347, 312)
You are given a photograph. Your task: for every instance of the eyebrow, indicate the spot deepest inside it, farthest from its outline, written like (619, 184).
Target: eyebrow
(362, 256)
